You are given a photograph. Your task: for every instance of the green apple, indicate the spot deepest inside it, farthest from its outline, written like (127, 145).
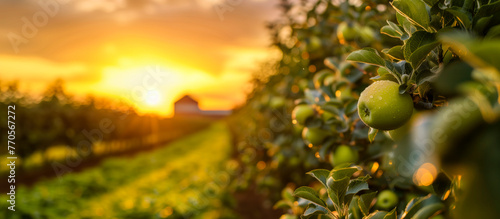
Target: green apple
(314, 43)
(314, 136)
(401, 132)
(380, 106)
(297, 129)
(344, 154)
(346, 31)
(301, 113)
(325, 116)
(277, 102)
(386, 200)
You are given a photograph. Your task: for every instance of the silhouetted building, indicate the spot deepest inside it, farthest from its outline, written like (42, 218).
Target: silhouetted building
(187, 106)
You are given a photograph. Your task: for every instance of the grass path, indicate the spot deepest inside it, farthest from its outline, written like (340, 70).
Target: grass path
(187, 177)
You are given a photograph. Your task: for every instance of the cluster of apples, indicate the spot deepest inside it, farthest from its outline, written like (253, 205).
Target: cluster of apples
(316, 136)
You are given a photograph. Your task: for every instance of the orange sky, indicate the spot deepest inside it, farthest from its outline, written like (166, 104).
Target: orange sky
(116, 48)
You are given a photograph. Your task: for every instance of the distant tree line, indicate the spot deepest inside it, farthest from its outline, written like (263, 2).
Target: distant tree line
(58, 118)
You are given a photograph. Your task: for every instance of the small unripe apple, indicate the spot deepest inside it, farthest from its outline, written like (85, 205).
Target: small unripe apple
(314, 43)
(314, 136)
(401, 132)
(346, 32)
(380, 106)
(386, 200)
(344, 154)
(277, 102)
(301, 113)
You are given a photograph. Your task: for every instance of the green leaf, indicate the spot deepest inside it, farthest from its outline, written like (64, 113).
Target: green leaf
(396, 52)
(431, 2)
(366, 55)
(343, 172)
(287, 194)
(387, 77)
(281, 204)
(425, 76)
(309, 194)
(419, 203)
(354, 208)
(428, 211)
(382, 71)
(365, 201)
(335, 199)
(389, 31)
(332, 62)
(376, 215)
(414, 10)
(313, 209)
(478, 53)
(340, 186)
(320, 174)
(371, 134)
(403, 88)
(356, 186)
(418, 56)
(420, 44)
(461, 15)
(396, 28)
(493, 32)
(391, 215)
(486, 11)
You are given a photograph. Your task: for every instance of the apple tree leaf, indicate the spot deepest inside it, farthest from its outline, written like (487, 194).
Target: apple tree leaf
(376, 215)
(320, 174)
(371, 134)
(420, 44)
(391, 215)
(309, 194)
(365, 201)
(313, 209)
(367, 55)
(413, 10)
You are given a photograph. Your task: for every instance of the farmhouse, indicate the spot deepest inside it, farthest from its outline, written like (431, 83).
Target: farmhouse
(187, 106)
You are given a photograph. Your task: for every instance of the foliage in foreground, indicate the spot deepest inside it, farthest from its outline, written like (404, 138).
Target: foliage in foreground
(441, 163)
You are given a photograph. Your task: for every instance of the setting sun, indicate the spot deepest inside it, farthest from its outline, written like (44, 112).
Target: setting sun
(153, 98)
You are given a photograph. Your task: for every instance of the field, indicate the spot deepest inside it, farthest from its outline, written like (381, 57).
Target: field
(186, 177)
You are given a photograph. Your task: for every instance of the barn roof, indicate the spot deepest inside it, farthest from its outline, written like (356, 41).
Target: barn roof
(187, 99)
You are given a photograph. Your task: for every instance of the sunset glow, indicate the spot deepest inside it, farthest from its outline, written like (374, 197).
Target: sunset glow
(147, 55)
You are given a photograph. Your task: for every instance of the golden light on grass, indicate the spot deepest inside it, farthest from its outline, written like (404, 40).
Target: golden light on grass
(425, 175)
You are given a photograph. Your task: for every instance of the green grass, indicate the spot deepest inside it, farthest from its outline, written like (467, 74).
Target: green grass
(185, 178)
